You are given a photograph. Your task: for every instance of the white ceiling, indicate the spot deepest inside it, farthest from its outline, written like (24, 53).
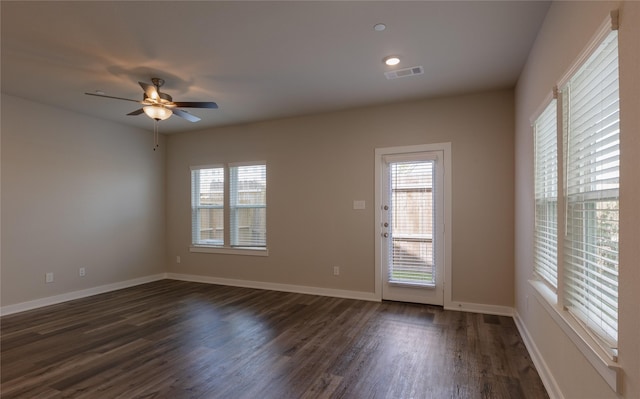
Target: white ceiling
(259, 60)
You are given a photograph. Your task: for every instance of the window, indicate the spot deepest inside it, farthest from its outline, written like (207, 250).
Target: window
(578, 258)
(248, 205)
(591, 125)
(207, 206)
(228, 208)
(546, 195)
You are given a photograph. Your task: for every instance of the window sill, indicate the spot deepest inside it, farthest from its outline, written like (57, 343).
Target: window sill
(230, 251)
(587, 345)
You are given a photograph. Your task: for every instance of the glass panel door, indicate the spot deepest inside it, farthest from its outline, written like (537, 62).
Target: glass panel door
(412, 227)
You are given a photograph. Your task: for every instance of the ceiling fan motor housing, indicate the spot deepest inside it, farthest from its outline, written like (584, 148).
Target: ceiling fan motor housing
(163, 98)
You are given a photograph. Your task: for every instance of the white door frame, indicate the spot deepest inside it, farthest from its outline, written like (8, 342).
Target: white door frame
(379, 187)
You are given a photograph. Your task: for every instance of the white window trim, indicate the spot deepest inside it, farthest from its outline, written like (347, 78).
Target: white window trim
(553, 95)
(227, 249)
(609, 24)
(601, 359)
(447, 162)
(252, 163)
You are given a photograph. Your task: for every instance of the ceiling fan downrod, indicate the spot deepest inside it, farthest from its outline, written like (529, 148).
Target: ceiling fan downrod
(157, 82)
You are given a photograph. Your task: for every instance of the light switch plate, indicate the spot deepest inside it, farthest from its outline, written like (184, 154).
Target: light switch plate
(359, 204)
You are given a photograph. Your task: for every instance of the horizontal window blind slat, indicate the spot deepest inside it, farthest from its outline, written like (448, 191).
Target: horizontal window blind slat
(599, 126)
(590, 161)
(582, 276)
(595, 111)
(586, 294)
(578, 200)
(580, 295)
(588, 297)
(599, 129)
(598, 321)
(587, 98)
(606, 332)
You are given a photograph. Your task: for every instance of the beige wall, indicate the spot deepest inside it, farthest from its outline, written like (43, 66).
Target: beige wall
(83, 192)
(317, 166)
(566, 31)
(76, 192)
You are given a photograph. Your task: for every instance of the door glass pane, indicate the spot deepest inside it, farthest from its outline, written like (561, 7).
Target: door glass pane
(412, 257)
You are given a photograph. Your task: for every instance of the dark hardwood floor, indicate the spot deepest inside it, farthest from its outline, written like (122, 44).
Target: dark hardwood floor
(172, 339)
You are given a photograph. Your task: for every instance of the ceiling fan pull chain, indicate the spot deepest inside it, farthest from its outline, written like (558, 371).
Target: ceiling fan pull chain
(155, 135)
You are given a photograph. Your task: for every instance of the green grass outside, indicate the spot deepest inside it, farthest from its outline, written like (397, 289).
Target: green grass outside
(411, 276)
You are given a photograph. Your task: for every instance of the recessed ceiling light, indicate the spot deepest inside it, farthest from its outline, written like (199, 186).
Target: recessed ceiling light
(379, 27)
(391, 60)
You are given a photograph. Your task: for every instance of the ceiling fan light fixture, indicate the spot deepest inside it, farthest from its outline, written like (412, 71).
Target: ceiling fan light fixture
(157, 112)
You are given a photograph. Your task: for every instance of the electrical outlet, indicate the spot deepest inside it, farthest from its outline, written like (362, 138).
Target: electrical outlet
(48, 278)
(82, 272)
(178, 259)
(336, 270)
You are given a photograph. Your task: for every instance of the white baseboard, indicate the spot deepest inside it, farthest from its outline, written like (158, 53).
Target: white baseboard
(53, 300)
(546, 376)
(480, 308)
(298, 289)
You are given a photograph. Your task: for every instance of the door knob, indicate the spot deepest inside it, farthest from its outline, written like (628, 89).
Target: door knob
(385, 235)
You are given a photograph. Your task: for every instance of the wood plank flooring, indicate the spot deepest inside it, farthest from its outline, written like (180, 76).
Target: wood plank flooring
(173, 339)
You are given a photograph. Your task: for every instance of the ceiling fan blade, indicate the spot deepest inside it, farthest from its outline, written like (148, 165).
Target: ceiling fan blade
(149, 90)
(196, 104)
(115, 98)
(136, 112)
(185, 115)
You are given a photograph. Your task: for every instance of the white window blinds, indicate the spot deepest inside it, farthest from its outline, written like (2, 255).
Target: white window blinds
(412, 257)
(248, 205)
(591, 136)
(229, 206)
(207, 206)
(546, 195)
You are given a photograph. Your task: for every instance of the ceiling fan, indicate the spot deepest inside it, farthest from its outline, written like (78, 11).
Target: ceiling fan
(160, 106)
